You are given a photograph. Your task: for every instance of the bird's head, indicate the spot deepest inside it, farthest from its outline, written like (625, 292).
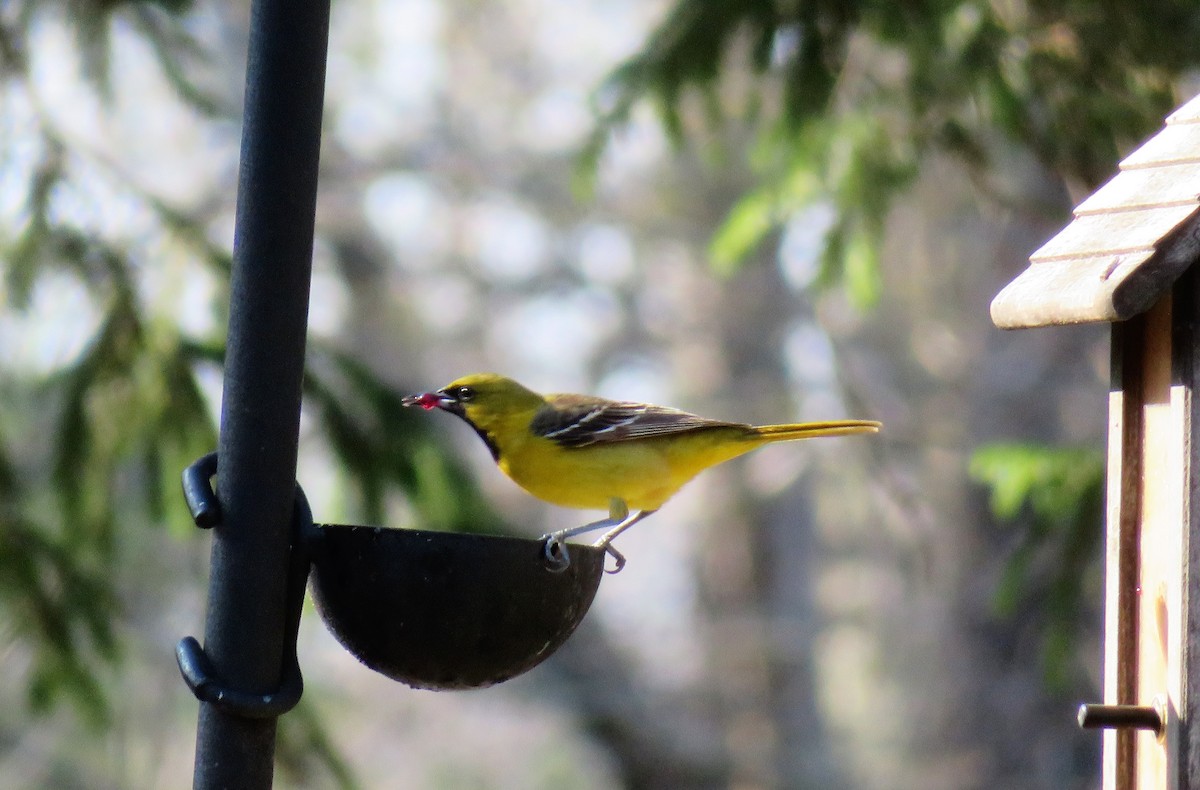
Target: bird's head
(480, 398)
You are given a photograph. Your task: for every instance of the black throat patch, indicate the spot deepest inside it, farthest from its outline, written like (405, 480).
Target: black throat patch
(458, 411)
(487, 439)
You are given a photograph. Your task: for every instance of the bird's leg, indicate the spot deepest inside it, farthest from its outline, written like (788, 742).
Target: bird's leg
(618, 511)
(555, 543)
(606, 539)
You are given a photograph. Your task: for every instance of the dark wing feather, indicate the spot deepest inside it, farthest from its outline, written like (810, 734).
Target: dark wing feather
(580, 420)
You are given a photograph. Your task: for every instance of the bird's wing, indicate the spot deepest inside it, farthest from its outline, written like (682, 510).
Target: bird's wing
(580, 420)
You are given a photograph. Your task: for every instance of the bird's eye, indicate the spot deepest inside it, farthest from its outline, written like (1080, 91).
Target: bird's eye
(464, 393)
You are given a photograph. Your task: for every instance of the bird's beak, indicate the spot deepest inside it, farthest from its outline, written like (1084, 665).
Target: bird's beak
(430, 400)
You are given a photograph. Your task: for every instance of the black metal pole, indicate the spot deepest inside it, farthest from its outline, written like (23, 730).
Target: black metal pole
(244, 633)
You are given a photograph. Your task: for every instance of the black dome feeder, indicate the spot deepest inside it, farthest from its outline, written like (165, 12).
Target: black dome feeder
(443, 610)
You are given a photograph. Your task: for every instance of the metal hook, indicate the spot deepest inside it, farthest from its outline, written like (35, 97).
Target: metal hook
(194, 664)
(198, 492)
(200, 677)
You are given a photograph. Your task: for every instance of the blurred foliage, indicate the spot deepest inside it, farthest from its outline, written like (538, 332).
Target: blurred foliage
(845, 101)
(116, 425)
(304, 750)
(159, 22)
(847, 98)
(1056, 497)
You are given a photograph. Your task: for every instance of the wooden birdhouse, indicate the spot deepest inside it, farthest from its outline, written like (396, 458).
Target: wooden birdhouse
(1129, 257)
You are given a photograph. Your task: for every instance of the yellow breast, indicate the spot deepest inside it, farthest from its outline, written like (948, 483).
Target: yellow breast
(644, 473)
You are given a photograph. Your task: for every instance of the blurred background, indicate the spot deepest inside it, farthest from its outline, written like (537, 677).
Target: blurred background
(758, 211)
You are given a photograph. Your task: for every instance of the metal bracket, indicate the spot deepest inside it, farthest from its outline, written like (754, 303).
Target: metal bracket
(194, 665)
(199, 676)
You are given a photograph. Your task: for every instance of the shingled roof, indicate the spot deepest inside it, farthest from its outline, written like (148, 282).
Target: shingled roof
(1128, 242)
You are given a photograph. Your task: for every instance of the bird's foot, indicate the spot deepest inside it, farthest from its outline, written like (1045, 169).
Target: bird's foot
(618, 557)
(554, 548)
(606, 539)
(558, 557)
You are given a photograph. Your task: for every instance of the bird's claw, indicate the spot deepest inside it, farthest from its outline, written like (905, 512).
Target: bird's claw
(555, 553)
(558, 558)
(617, 556)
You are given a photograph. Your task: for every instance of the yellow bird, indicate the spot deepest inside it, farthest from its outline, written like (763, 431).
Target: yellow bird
(586, 452)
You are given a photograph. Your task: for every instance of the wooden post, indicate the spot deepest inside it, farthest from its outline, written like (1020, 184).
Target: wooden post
(1149, 625)
(1121, 538)
(1163, 467)
(1186, 705)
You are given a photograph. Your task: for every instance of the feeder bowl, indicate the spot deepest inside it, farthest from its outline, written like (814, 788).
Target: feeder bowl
(446, 610)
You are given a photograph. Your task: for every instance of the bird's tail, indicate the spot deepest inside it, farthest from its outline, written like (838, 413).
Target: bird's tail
(808, 430)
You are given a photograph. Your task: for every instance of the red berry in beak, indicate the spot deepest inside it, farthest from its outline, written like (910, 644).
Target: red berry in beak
(426, 401)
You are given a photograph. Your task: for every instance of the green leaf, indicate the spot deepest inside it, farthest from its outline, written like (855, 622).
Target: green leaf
(750, 220)
(864, 281)
(1055, 495)
(1050, 480)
